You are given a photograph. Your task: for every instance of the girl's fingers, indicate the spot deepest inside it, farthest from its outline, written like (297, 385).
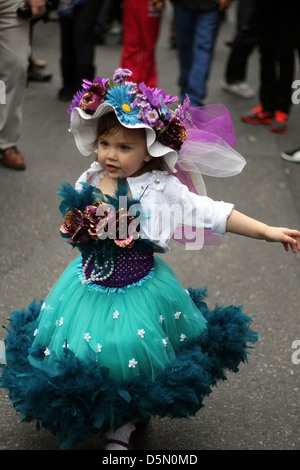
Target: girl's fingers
(286, 246)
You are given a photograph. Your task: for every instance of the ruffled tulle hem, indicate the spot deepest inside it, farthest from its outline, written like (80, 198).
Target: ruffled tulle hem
(83, 400)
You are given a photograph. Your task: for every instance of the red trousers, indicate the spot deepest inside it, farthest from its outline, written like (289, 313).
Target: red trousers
(141, 25)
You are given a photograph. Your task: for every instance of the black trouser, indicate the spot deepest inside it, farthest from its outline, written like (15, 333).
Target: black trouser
(77, 45)
(244, 42)
(278, 24)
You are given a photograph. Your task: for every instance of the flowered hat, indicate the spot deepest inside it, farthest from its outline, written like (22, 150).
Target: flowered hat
(136, 107)
(192, 141)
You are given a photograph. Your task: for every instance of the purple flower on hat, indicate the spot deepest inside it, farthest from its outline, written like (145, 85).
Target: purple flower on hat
(159, 125)
(183, 112)
(86, 84)
(76, 100)
(151, 116)
(120, 75)
(154, 95)
(102, 81)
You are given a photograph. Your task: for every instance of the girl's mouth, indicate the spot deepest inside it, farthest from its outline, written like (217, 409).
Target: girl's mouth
(111, 168)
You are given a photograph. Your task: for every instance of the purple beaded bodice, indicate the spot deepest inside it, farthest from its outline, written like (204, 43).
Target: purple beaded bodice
(129, 267)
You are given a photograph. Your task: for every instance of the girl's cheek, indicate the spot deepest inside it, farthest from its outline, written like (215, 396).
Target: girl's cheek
(127, 168)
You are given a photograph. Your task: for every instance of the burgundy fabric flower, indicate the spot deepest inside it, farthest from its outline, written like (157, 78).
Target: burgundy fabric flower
(75, 227)
(126, 230)
(98, 222)
(173, 135)
(105, 218)
(93, 98)
(91, 220)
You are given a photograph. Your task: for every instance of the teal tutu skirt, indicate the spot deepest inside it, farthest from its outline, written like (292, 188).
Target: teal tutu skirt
(90, 358)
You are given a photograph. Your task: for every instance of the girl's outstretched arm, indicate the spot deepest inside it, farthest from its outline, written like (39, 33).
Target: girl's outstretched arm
(241, 224)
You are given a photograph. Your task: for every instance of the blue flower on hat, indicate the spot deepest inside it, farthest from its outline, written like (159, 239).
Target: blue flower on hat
(121, 98)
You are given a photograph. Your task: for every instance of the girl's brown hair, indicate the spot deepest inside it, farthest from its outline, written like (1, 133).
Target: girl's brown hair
(109, 123)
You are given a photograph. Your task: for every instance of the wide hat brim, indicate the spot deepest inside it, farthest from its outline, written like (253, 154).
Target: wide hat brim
(84, 128)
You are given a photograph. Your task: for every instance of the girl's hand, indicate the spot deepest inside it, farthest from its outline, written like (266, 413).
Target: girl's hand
(241, 224)
(286, 236)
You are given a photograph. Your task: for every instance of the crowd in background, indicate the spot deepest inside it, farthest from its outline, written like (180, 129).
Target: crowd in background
(269, 26)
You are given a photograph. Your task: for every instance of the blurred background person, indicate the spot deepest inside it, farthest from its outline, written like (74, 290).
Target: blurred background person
(243, 44)
(14, 57)
(278, 25)
(197, 24)
(141, 26)
(77, 21)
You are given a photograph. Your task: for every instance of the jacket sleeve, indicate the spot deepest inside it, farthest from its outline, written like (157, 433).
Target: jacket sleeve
(199, 211)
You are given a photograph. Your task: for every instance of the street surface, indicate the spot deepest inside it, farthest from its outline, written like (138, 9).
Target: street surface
(258, 408)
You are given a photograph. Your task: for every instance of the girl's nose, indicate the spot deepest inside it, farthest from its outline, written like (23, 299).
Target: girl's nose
(112, 154)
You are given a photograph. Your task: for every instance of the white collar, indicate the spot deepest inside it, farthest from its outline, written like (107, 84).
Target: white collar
(154, 179)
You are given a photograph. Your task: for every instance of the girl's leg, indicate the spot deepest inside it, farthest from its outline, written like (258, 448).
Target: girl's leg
(120, 438)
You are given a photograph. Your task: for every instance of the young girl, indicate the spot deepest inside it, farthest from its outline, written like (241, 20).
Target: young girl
(118, 338)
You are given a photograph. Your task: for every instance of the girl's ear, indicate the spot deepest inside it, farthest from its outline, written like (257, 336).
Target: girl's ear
(148, 158)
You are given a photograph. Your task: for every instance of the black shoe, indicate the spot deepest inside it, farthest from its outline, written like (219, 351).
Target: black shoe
(99, 39)
(37, 75)
(66, 94)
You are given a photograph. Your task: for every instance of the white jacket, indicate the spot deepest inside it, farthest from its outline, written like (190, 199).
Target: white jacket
(166, 204)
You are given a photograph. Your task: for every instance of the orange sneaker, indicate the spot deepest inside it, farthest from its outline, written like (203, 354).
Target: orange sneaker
(258, 115)
(280, 122)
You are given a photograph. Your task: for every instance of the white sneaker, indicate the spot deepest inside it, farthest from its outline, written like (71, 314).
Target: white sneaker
(241, 89)
(293, 156)
(2, 353)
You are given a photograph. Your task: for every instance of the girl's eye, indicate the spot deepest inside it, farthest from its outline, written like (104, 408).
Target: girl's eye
(103, 143)
(125, 147)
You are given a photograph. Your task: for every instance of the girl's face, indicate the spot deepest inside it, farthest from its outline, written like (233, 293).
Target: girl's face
(122, 153)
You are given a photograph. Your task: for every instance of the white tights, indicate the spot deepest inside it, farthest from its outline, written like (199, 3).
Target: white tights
(121, 434)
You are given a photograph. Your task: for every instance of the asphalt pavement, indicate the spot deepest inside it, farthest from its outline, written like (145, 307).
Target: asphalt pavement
(255, 409)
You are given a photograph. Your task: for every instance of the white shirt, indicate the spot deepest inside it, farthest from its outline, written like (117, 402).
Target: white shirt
(166, 204)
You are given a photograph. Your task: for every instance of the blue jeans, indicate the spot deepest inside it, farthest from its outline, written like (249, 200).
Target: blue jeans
(196, 32)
